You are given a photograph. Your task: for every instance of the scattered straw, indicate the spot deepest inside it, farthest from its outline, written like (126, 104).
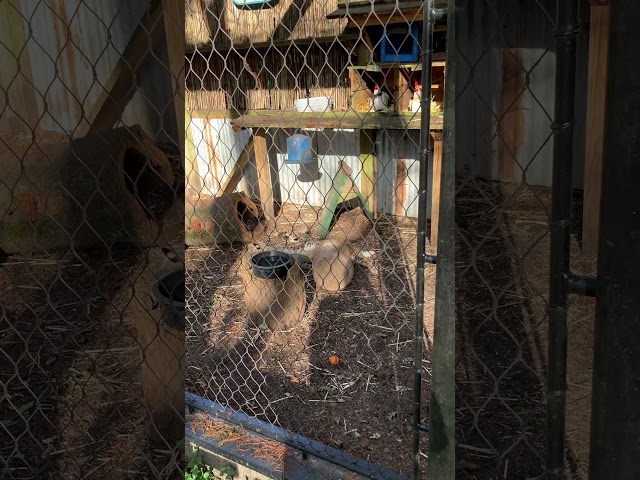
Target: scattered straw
(265, 449)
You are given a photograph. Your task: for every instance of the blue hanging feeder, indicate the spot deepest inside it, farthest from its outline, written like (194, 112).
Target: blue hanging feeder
(299, 149)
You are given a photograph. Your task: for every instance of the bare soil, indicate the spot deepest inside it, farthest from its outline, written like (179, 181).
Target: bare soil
(502, 291)
(363, 404)
(70, 368)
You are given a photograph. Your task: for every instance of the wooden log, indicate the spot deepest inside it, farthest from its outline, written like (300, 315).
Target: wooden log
(228, 219)
(162, 350)
(88, 193)
(277, 303)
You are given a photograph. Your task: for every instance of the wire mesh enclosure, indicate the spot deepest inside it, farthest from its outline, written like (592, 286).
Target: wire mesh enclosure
(91, 209)
(314, 144)
(521, 104)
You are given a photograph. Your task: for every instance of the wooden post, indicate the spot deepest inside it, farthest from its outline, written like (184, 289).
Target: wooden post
(174, 30)
(236, 174)
(597, 80)
(194, 180)
(264, 174)
(369, 169)
(435, 187)
(403, 93)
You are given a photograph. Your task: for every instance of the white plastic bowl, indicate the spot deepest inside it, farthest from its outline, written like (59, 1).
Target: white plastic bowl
(313, 104)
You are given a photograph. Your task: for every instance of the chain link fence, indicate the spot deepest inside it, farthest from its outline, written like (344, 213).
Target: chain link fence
(91, 189)
(506, 61)
(303, 155)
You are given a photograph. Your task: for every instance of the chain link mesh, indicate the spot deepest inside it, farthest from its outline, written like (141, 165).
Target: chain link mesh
(327, 352)
(504, 110)
(91, 189)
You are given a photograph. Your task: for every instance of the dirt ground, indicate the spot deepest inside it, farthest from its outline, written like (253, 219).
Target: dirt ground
(502, 280)
(71, 369)
(72, 366)
(363, 404)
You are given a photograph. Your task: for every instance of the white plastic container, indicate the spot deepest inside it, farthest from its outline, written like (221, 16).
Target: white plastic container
(313, 104)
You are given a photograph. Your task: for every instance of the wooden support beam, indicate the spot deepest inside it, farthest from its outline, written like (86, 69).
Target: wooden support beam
(435, 188)
(369, 169)
(119, 87)
(403, 92)
(194, 181)
(236, 174)
(597, 80)
(264, 174)
(174, 30)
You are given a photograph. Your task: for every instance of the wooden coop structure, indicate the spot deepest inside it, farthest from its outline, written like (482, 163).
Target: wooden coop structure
(246, 69)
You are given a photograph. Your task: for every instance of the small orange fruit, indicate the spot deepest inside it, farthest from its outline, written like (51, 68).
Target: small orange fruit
(334, 359)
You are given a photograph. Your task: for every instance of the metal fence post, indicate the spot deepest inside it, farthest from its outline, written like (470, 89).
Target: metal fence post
(560, 224)
(441, 463)
(425, 156)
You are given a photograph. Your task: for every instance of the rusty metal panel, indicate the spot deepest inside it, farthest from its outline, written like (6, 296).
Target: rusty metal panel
(219, 147)
(398, 173)
(70, 41)
(505, 109)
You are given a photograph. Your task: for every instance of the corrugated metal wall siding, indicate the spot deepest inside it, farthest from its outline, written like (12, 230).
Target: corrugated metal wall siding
(218, 149)
(72, 39)
(330, 147)
(399, 173)
(505, 47)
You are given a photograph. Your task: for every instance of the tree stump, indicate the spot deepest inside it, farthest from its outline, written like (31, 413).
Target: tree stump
(228, 219)
(90, 192)
(277, 303)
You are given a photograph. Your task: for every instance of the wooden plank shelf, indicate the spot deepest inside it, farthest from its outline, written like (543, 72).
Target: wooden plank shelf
(333, 119)
(379, 67)
(223, 47)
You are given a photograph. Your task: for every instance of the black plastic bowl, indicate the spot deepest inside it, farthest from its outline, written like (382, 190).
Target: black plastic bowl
(169, 293)
(271, 264)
